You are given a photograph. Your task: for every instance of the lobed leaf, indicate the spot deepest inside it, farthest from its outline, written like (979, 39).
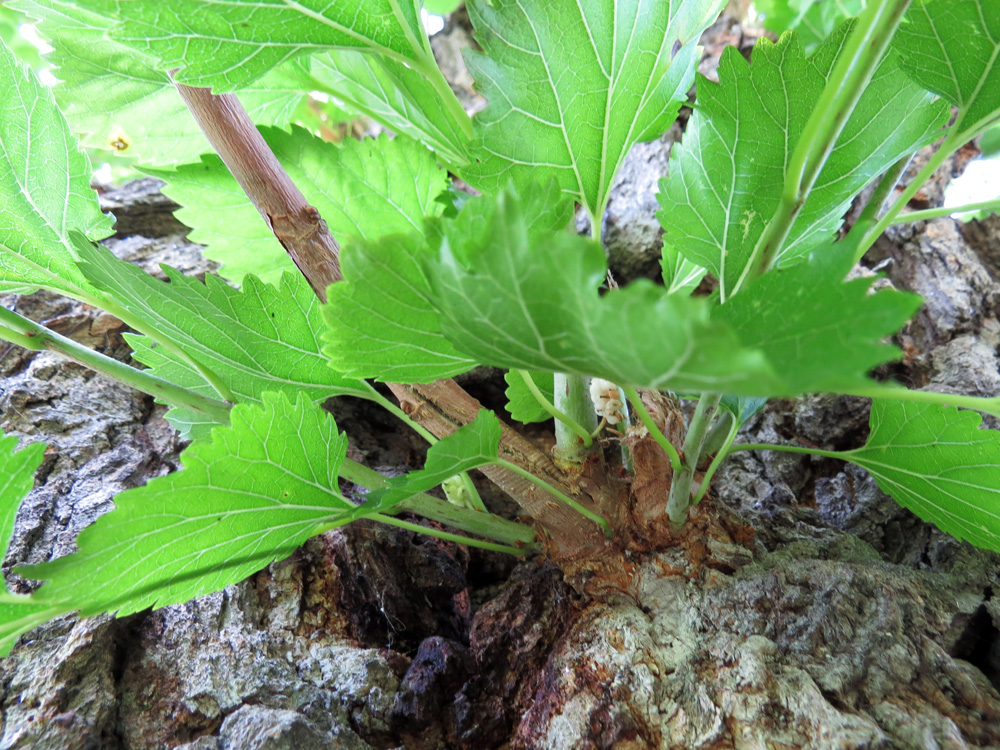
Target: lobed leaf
(363, 189)
(228, 45)
(395, 96)
(936, 461)
(521, 402)
(116, 97)
(252, 495)
(742, 407)
(469, 447)
(815, 20)
(573, 85)
(382, 320)
(726, 178)
(261, 338)
(18, 614)
(952, 47)
(680, 276)
(44, 187)
(511, 298)
(818, 331)
(17, 477)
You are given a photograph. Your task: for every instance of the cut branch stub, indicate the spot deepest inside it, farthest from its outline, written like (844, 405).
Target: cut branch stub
(296, 224)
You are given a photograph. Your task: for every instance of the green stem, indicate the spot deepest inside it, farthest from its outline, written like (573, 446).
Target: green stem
(977, 403)
(572, 400)
(785, 449)
(469, 541)
(647, 420)
(31, 335)
(557, 494)
(96, 300)
(427, 435)
(679, 499)
(882, 192)
(935, 213)
(862, 53)
(386, 404)
(946, 149)
(575, 426)
(474, 497)
(473, 521)
(988, 405)
(717, 461)
(451, 103)
(140, 325)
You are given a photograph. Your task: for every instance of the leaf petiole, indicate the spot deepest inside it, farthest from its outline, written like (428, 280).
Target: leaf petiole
(23, 332)
(717, 461)
(865, 46)
(888, 182)
(785, 449)
(473, 521)
(647, 420)
(679, 499)
(599, 520)
(386, 404)
(458, 539)
(985, 404)
(560, 416)
(935, 213)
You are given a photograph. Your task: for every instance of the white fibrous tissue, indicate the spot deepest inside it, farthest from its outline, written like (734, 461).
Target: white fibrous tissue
(607, 400)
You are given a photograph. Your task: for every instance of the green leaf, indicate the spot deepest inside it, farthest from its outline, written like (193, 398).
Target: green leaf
(937, 462)
(573, 85)
(114, 95)
(742, 407)
(254, 494)
(382, 320)
(261, 338)
(952, 47)
(522, 300)
(467, 448)
(521, 403)
(680, 276)
(17, 477)
(818, 331)
(228, 45)
(18, 614)
(395, 96)
(815, 20)
(368, 189)
(726, 178)
(44, 187)
(441, 7)
(25, 51)
(505, 302)
(989, 144)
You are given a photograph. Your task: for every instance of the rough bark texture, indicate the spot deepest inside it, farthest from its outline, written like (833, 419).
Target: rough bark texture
(805, 610)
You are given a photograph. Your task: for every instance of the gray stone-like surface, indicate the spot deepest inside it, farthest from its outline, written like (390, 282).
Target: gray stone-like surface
(257, 728)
